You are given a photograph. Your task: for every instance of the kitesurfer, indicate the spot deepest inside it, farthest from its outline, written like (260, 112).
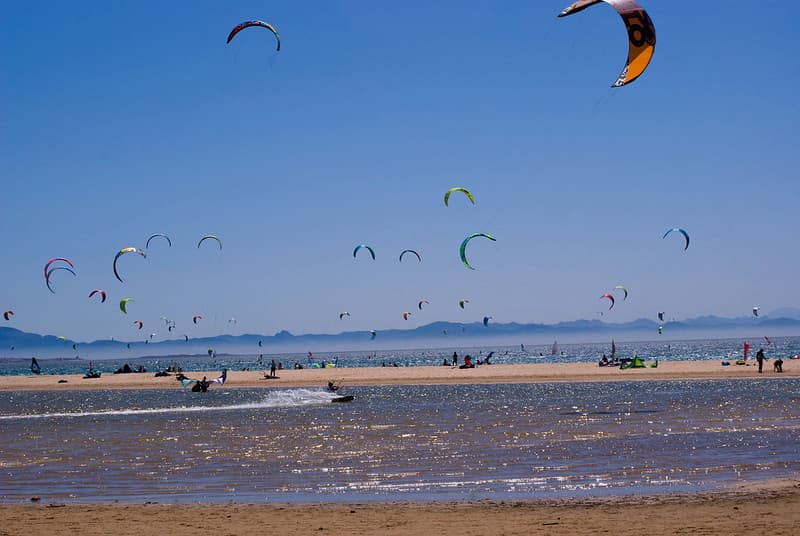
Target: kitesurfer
(332, 387)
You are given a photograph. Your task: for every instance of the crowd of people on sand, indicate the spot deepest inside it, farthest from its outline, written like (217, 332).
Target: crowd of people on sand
(468, 363)
(606, 362)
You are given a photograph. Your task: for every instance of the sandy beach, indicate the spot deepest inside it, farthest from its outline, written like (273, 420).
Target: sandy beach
(539, 372)
(770, 509)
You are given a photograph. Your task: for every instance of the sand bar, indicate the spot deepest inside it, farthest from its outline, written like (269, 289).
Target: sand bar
(527, 373)
(771, 509)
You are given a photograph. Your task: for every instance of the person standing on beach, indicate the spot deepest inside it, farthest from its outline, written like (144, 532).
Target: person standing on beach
(455, 359)
(760, 359)
(272, 369)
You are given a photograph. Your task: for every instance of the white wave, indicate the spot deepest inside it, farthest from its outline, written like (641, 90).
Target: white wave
(286, 398)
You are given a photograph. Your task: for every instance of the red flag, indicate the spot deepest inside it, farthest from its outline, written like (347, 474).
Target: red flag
(746, 349)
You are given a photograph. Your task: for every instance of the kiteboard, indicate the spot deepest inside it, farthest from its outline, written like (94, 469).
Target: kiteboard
(347, 398)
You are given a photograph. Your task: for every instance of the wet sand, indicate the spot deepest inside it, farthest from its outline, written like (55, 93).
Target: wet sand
(528, 373)
(771, 509)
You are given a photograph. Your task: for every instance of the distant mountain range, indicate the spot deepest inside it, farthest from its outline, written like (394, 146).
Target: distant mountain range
(786, 321)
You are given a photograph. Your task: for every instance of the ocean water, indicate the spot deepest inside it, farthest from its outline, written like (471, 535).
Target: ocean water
(436, 442)
(709, 349)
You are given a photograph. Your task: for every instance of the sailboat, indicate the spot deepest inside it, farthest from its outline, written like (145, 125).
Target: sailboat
(554, 350)
(35, 368)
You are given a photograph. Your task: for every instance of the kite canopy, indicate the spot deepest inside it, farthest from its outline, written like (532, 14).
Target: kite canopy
(683, 232)
(406, 314)
(101, 292)
(641, 35)
(123, 304)
(661, 316)
(48, 271)
(122, 252)
(56, 259)
(344, 314)
(610, 297)
(421, 302)
(210, 237)
(364, 246)
(410, 251)
(55, 269)
(372, 334)
(458, 189)
(139, 323)
(195, 318)
(462, 303)
(755, 311)
(147, 244)
(250, 23)
(463, 249)
(623, 289)
(486, 320)
(8, 313)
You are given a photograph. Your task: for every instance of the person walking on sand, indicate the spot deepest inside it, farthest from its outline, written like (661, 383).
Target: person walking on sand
(760, 359)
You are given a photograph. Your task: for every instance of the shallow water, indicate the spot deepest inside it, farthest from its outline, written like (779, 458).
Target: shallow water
(693, 350)
(440, 442)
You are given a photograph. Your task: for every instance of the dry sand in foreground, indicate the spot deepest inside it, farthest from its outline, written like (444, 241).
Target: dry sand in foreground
(528, 373)
(772, 509)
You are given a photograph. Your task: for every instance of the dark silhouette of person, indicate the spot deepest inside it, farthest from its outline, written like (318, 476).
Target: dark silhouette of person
(760, 359)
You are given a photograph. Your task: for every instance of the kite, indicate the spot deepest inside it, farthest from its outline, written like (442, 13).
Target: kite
(122, 252)
(406, 314)
(410, 251)
(372, 334)
(8, 313)
(461, 303)
(684, 233)
(641, 35)
(123, 304)
(659, 329)
(147, 244)
(249, 23)
(210, 237)
(463, 249)
(421, 302)
(102, 294)
(623, 289)
(344, 314)
(486, 320)
(195, 318)
(139, 323)
(51, 261)
(661, 316)
(610, 297)
(185, 338)
(755, 311)
(457, 189)
(368, 248)
(50, 272)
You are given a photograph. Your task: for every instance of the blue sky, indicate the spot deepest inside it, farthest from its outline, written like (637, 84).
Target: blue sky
(121, 120)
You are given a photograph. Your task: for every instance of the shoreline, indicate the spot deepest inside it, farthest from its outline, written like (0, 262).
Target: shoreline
(422, 375)
(769, 507)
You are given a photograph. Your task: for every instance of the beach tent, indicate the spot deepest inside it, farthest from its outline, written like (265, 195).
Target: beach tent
(636, 363)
